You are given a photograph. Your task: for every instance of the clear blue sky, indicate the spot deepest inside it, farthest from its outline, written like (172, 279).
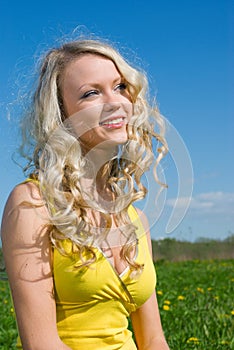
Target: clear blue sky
(186, 47)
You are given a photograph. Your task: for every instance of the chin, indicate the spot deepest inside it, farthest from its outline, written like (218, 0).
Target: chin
(118, 141)
(119, 137)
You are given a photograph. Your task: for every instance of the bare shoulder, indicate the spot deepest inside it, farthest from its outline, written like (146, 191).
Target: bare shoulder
(143, 219)
(27, 191)
(24, 211)
(24, 233)
(145, 224)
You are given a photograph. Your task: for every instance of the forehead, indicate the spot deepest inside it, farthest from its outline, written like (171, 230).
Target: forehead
(91, 66)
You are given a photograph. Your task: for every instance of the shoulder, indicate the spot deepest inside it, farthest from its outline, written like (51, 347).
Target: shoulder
(25, 190)
(145, 224)
(143, 219)
(24, 211)
(23, 194)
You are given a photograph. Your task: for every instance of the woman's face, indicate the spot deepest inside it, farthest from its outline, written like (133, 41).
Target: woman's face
(96, 101)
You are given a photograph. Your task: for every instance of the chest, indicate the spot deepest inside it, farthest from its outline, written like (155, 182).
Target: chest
(101, 281)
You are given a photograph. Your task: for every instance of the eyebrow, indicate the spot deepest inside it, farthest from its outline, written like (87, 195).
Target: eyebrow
(120, 78)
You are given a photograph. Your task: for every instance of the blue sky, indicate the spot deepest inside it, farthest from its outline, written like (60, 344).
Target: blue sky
(186, 48)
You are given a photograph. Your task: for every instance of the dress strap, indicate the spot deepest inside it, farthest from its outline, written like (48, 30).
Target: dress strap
(31, 179)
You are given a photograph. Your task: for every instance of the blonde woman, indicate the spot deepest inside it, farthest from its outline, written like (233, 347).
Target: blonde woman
(77, 252)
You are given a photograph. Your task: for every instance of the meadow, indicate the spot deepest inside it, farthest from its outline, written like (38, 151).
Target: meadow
(195, 300)
(196, 303)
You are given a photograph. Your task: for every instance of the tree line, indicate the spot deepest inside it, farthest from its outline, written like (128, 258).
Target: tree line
(203, 249)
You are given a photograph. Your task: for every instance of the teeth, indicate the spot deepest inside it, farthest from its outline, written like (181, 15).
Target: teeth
(111, 122)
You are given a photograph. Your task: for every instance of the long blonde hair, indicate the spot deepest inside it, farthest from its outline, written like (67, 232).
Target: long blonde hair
(58, 162)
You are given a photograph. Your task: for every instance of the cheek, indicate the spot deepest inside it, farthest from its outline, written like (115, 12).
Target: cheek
(85, 120)
(128, 108)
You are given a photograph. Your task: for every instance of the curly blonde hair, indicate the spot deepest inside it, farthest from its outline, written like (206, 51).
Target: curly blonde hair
(57, 161)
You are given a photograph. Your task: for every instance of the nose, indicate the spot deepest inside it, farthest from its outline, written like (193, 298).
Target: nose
(111, 106)
(111, 102)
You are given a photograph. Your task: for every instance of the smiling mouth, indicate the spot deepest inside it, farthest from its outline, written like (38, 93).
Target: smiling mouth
(113, 122)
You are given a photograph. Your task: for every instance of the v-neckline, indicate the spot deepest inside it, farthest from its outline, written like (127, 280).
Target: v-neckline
(122, 274)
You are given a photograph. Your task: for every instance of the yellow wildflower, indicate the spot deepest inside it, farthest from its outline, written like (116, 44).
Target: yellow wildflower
(166, 307)
(232, 312)
(181, 297)
(167, 302)
(159, 292)
(193, 340)
(201, 290)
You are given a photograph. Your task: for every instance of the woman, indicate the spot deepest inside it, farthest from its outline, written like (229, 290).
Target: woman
(77, 253)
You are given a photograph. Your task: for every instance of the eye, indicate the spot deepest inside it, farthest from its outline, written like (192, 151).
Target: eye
(121, 87)
(89, 93)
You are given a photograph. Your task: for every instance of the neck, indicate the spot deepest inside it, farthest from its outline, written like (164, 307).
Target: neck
(98, 158)
(97, 174)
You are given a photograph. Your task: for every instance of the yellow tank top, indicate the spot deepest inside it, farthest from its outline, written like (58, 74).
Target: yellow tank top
(93, 303)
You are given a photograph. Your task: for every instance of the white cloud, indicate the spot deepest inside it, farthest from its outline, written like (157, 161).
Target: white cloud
(219, 203)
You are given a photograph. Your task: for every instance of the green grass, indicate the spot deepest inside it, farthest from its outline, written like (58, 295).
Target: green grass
(195, 300)
(196, 304)
(8, 332)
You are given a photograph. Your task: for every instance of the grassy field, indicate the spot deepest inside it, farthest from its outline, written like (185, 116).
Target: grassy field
(196, 303)
(195, 299)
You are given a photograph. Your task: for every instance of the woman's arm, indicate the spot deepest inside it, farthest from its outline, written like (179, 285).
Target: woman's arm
(27, 254)
(146, 320)
(147, 326)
